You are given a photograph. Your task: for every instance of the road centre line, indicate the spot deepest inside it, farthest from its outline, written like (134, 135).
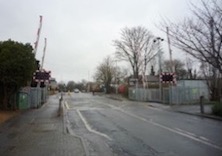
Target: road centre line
(195, 138)
(89, 128)
(85, 108)
(192, 134)
(183, 131)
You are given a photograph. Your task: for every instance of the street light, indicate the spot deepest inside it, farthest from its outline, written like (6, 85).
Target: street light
(158, 40)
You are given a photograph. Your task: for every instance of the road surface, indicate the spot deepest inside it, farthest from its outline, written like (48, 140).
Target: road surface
(125, 128)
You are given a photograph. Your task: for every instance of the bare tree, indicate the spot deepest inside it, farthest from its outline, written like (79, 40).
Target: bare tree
(201, 35)
(136, 47)
(179, 68)
(189, 65)
(105, 73)
(209, 73)
(120, 74)
(70, 86)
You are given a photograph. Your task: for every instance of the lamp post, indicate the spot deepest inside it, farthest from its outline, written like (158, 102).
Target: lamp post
(116, 76)
(158, 40)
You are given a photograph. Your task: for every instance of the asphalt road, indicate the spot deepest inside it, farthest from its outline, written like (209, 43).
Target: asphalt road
(125, 128)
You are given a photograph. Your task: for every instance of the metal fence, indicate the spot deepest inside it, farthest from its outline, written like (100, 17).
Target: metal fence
(32, 97)
(171, 95)
(187, 95)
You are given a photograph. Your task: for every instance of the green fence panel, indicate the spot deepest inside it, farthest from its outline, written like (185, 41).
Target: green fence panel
(23, 101)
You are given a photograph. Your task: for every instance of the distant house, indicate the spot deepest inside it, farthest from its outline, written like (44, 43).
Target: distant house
(149, 81)
(93, 86)
(53, 84)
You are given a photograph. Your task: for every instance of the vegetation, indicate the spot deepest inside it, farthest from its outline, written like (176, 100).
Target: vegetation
(217, 109)
(70, 86)
(105, 73)
(62, 86)
(136, 46)
(178, 66)
(200, 36)
(17, 64)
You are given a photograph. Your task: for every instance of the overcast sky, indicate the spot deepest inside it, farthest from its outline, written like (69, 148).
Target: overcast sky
(80, 33)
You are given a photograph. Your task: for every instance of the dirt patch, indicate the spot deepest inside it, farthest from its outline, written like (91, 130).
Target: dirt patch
(6, 115)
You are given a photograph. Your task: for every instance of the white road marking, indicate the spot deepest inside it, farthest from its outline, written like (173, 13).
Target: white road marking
(85, 108)
(154, 108)
(176, 131)
(89, 128)
(190, 135)
(203, 138)
(67, 105)
(183, 131)
(123, 105)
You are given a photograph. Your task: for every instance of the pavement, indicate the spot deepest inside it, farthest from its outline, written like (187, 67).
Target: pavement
(195, 110)
(39, 132)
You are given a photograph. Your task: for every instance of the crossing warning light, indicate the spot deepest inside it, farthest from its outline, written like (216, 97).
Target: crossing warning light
(168, 77)
(41, 76)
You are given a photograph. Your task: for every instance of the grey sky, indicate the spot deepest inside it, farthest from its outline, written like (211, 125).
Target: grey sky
(80, 33)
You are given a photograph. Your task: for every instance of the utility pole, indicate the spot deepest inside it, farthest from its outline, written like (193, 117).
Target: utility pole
(38, 36)
(144, 78)
(116, 78)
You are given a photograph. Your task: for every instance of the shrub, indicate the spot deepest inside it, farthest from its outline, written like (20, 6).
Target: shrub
(217, 109)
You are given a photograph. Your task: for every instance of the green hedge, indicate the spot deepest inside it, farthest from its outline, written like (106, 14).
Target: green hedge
(217, 109)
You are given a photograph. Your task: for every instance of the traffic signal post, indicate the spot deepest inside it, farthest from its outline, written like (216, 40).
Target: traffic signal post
(40, 77)
(168, 78)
